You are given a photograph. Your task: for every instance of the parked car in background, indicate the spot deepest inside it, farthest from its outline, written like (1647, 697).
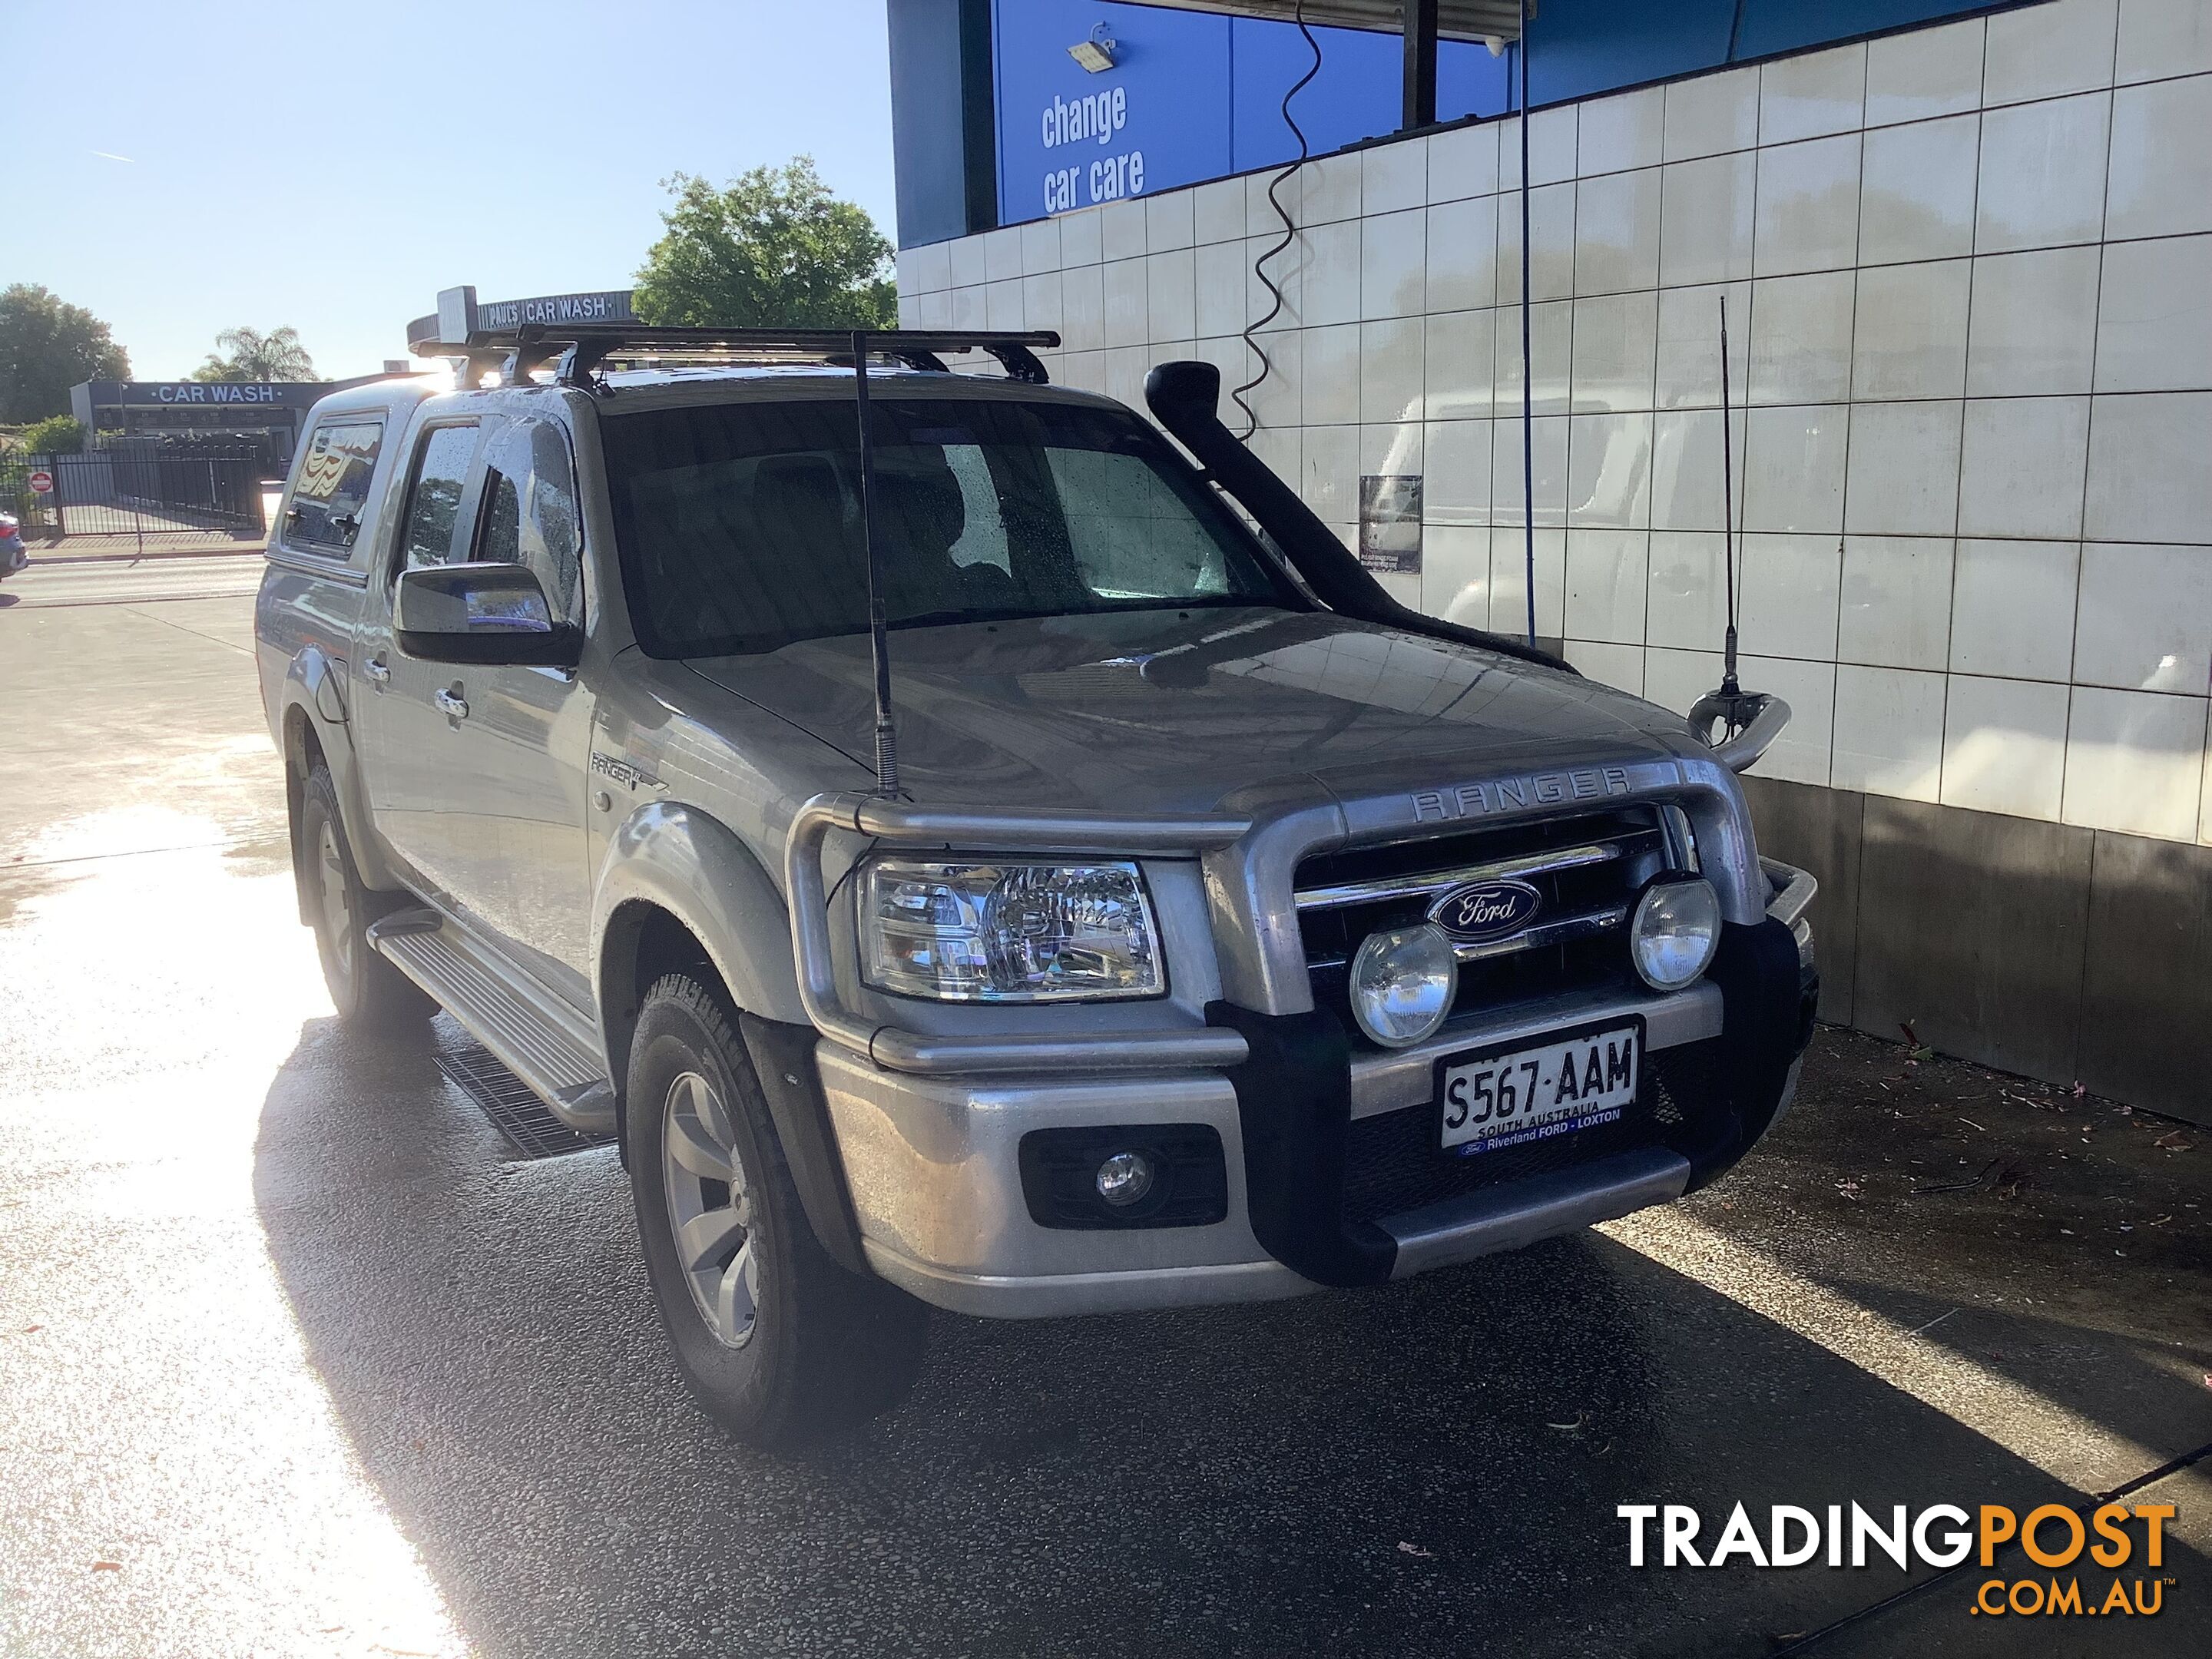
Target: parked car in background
(13, 557)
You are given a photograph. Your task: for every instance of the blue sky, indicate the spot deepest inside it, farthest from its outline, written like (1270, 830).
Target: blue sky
(333, 167)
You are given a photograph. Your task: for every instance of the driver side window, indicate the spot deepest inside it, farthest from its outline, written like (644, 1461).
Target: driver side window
(529, 513)
(433, 496)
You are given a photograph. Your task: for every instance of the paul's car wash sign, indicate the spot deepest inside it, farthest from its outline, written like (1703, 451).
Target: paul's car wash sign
(610, 306)
(164, 392)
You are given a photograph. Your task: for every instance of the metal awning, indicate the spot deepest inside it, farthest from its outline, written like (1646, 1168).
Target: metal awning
(1456, 19)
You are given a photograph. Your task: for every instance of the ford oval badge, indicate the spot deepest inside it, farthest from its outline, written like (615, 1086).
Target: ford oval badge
(1482, 910)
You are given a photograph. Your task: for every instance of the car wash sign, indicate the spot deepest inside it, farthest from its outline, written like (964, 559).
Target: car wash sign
(1072, 138)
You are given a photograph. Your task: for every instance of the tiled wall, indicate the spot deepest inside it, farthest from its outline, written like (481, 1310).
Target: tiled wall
(1968, 272)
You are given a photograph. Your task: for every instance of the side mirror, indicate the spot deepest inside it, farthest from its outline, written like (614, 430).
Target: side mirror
(481, 613)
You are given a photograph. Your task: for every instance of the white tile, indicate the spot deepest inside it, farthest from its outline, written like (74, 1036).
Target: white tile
(1126, 367)
(1127, 319)
(1895, 608)
(2004, 746)
(1121, 228)
(1393, 176)
(1904, 478)
(1170, 295)
(2042, 174)
(1002, 304)
(1041, 300)
(1605, 571)
(1889, 733)
(1686, 599)
(1218, 211)
(1616, 338)
(1330, 477)
(1393, 256)
(1622, 131)
(2046, 51)
(2033, 325)
(1609, 471)
(931, 267)
(2144, 622)
(1551, 146)
(1916, 190)
(1391, 450)
(1620, 666)
(1270, 260)
(1793, 469)
(1279, 399)
(2147, 477)
(1551, 329)
(2012, 608)
(1086, 371)
(1921, 73)
(1809, 206)
(967, 257)
(1708, 114)
(1171, 221)
(1041, 247)
(1283, 450)
(1329, 283)
(935, 309)
(1082, 308)
(2135, 762)
(1456, 573)
(1404, 586)
(967, 307)
(1332, 189)
(1685, 469)
(1552, 257)
(1391, 369)
(1082, 239)
(1801, 339)
(909, 310)
(1462, 254)
(1787, 595)
(1812, 93)
(1464, 162)
(1462, 348)
(1332, 375)
(1689, 361)
(1706, 219)
(2020, 466)
(1223, 281)
(1676, 679)
(2155, 316)
(1002, 254)
(1457, 464)
(1801, 753)
(1261, 218)
(1617, 233)
(1508, 581)
(1908, 334)
(1508, 458)
(2163, 38)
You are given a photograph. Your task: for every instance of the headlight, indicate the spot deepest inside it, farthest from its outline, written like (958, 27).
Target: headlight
(1403, 982)
(1008, 933)
(1676, 926)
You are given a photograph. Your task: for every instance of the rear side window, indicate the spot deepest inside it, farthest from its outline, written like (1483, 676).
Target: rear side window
(333, 483)
(433, 495)
(530, 515)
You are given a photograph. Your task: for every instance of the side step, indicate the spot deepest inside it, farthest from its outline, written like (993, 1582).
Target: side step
(547, 1046)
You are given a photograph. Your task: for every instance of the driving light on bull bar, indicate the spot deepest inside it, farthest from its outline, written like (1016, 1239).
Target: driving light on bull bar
(1677, 925)
(994, 931)
(1403, 982)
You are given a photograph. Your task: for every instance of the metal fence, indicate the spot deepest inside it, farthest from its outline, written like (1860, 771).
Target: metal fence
(140, 493)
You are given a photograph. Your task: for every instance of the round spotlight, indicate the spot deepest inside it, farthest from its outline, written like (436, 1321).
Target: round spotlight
(1125, 1178)
(1677, 925)
(1403, 982)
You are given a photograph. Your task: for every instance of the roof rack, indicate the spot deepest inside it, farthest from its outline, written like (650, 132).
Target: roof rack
(580, 349)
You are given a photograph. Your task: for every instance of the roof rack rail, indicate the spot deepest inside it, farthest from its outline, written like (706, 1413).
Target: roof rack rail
(579, 350)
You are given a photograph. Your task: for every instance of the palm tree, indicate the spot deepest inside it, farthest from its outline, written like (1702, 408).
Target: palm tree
(253, 355)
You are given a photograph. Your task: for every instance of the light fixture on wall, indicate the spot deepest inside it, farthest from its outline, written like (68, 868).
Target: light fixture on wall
(1096, 54)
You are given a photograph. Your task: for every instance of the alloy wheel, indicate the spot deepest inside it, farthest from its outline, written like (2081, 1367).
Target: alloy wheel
(710, 1208)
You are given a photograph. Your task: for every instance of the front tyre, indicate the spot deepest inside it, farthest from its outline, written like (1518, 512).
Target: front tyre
(779, 1343)
(369, 993)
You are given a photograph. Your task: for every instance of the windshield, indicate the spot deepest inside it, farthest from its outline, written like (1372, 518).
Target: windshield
(739, 523)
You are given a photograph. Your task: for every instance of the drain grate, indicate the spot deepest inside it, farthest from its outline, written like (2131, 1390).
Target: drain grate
(515, 1111)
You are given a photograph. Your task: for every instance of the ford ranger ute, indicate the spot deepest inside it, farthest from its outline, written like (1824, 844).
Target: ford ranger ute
(975, 852)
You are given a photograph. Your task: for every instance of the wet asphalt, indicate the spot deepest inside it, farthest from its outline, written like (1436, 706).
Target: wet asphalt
(296, 1359)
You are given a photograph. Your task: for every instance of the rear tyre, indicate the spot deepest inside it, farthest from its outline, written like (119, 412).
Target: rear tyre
(778, 1343)
(369, 994)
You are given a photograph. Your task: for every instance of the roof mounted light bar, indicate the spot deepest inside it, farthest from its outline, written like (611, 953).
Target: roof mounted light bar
(580, 349)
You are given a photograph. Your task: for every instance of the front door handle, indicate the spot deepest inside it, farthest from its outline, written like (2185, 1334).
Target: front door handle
(377, 669)
(453, 703)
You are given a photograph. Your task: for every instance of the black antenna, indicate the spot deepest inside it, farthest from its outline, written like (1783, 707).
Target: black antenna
(1728, 686)
(879, 639)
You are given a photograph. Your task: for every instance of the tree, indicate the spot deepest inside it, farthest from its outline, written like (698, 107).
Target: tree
(774, 249)
(276, 355)
(57, 434)
(47, 346)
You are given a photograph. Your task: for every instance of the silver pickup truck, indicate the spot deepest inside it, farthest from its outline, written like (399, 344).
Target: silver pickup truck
(973, 855)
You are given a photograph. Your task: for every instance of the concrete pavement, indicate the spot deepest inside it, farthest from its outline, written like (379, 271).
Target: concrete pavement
(295, 1360)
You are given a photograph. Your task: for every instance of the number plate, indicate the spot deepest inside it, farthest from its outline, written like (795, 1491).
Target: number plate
(1510, 1096)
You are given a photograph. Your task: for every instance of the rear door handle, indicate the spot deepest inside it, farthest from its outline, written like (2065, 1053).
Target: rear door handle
(377, 669)
(453, 703)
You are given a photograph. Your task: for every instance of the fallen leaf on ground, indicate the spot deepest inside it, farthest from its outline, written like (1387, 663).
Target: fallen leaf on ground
(1580, 1419)
(1415, 1550)
(107, 1566)
(2173, 1142)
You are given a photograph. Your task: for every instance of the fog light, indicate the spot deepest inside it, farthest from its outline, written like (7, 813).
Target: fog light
(1403, 982)
(1677, 925)
(1125, 1178)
